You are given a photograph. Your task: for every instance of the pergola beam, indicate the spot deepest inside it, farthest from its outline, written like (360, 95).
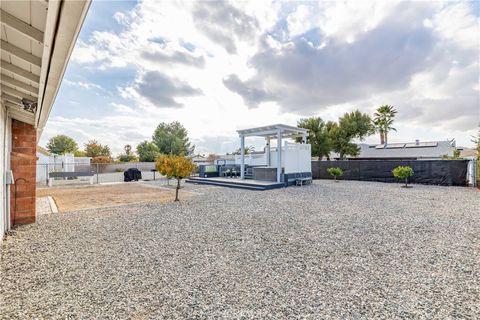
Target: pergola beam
(20, 53)
(11, 81)
(17, 93)
(272, 130)
(260, 133)
(19, 71)
(21, 26)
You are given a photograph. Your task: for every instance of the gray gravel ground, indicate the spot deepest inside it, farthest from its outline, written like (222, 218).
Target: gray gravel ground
(348, 250)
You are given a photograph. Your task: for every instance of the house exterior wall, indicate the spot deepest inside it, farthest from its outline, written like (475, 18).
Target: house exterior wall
(23, 164)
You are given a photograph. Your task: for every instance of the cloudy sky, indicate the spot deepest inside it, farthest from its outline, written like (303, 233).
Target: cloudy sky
(221, 66)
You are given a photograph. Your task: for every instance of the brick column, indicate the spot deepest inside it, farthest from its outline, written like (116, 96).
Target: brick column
(23, 163)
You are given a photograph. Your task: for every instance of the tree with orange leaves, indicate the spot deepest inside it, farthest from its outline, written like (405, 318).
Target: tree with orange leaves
(177, 167)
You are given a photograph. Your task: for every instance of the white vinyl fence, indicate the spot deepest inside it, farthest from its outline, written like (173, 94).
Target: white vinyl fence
(297, 157)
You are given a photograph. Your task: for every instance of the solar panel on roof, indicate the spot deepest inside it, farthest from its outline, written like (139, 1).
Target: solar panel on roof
(395, 146)
(421, 145)
(431, 144)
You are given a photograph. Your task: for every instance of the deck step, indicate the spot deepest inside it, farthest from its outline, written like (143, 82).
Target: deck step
(233, 184)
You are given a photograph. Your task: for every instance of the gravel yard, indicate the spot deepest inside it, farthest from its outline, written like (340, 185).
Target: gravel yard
(347, 250)
(70, 198)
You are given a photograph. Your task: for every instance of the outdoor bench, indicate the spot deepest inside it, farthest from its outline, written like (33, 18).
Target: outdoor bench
(302, 178)
(302, 181)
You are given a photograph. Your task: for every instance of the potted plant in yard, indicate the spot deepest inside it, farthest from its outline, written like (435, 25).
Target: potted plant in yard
(403, 173)
(335, 172)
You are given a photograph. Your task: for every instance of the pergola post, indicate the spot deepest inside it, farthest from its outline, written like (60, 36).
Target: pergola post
(268, 151)
(279, 155)
(242, 156)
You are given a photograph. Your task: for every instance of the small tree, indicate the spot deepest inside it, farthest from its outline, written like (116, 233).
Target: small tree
(61, 144)
(128, 156)
(403, 173)
(102, 159)
(318, 136)
(163, 167)
(94, 149)
(147, 151)
(172, 138)
(80, 153)
(177, 167)
(335, 172)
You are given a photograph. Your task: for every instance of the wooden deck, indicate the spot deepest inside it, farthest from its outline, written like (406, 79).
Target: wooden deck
(237, 183)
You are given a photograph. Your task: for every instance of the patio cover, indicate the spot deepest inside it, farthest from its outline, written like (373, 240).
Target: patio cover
(271, 131)
(275, 131)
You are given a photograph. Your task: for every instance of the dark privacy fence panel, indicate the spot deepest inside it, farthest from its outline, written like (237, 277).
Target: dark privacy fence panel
(436, 172)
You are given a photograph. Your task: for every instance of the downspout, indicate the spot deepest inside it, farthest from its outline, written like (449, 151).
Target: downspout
(7, 189)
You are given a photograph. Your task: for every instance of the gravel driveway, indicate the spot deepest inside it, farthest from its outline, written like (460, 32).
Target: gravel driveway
(347, 250)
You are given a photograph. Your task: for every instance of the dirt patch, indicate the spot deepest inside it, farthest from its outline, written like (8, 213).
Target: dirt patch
(76, 198)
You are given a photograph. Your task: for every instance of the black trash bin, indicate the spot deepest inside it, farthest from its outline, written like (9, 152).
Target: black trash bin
(132, 174)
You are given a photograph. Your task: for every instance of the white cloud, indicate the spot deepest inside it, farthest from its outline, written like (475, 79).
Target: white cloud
(286, 60)
(84, 85)
(121, 108)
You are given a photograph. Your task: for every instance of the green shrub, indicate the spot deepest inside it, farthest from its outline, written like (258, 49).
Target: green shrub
(335, 172)
(403, 173)
(127, 158)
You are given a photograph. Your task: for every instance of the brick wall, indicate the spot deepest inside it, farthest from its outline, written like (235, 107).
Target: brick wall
(23, 164)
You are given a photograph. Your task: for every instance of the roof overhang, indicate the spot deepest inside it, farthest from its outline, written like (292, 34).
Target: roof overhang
(37, 39)
(272, 131)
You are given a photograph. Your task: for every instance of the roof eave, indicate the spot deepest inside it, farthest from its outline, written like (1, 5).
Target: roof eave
(64, 23)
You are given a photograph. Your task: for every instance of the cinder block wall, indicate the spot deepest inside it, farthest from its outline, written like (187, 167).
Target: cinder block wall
(23, 163)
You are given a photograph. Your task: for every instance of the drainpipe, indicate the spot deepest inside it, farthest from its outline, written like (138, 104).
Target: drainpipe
(6, 160)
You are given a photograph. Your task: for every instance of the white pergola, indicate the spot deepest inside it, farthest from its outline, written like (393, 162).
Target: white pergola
(276, 131)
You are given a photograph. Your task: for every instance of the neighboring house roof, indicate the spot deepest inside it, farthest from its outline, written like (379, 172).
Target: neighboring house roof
(417, 149)
(226, 157)
(43, 151)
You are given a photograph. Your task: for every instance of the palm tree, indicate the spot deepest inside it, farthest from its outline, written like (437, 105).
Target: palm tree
(383, 121)
(248, 150)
